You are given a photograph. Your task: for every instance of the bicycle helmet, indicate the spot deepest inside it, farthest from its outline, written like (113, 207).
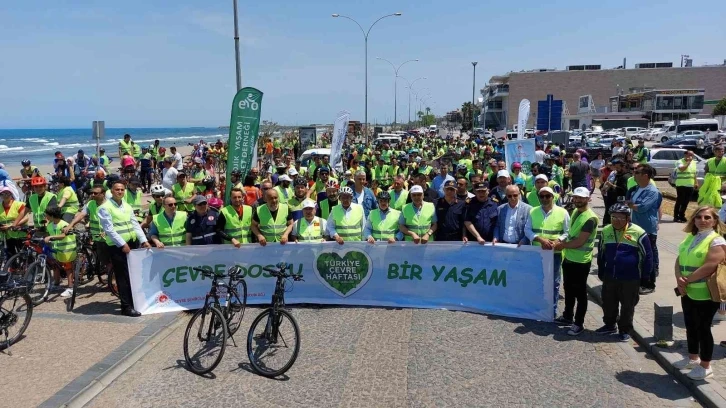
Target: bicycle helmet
(332, 184)
(25, 163)
(38, 181)
(158, 190)
(215, 202)
(384, 195)
(300, 181)
(162, 150)
(620, 208)
(346, 190)
(461, 167)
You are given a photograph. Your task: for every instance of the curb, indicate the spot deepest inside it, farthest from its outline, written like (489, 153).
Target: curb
(93, 381)
(709, 393)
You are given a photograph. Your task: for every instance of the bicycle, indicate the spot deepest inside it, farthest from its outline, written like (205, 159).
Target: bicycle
(216, 321)
(39, 275)
(17, 265)
(82, 269)
(16, 310)
(271, 338)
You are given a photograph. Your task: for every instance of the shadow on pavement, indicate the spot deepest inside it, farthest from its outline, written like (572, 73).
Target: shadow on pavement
(182, 364)
(649, 382)
(247, 367)
(558, 333)
(98, 308)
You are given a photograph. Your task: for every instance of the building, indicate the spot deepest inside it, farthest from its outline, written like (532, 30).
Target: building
(504, 92)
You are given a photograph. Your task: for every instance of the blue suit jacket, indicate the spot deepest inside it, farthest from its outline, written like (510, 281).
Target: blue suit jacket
(520, 220)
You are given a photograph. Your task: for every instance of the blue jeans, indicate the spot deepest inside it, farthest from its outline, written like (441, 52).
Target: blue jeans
(558, 279)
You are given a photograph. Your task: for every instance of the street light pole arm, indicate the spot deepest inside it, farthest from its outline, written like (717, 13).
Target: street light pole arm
(392, 66)
(356, 23)
(404, 63)
(374, 23)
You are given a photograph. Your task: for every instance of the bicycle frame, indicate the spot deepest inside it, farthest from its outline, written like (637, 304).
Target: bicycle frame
(214, 294)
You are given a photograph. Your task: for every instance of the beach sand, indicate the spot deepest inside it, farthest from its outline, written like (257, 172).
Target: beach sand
(47, 166)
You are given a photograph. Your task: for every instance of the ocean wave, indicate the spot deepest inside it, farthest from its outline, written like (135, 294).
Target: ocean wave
(34, 140)
(51, 144)
(4, 148)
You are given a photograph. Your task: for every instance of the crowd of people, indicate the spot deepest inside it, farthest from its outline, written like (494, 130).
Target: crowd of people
(424, 189)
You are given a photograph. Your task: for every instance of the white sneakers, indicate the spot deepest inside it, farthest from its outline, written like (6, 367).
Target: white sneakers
(687, 363)
(700, 373)
(67, 293)
(697, 372)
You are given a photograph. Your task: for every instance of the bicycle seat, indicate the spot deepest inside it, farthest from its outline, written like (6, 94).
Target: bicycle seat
(208, 273)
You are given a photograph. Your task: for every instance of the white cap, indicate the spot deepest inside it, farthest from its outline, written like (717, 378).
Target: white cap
(416, 189)
(502, 173)
(292, 172)
(284, 177)
(308, 204)
(581, 192)
(546, 190)
(347, 173)
(541, 177)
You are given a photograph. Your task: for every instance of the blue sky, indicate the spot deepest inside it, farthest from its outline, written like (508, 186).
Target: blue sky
(156, 63)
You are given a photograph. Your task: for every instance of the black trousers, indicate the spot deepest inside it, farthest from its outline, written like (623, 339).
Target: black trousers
(121, 270)
(683, 197)
(14, 245)
(619, 297)
(575, 283)
(698, 315)
(649, 281)
(102, 259)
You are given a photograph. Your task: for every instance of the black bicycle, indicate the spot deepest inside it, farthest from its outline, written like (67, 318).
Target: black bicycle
(273, 341)
(16, 309)
(206, 336)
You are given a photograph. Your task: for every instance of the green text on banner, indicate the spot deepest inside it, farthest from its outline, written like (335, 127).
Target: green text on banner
(244, 127)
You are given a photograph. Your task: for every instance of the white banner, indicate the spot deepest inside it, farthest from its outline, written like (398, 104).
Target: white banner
(522, 118)
(502, 279)
(336, 149)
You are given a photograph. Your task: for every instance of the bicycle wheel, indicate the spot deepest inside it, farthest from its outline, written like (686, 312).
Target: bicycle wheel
(236, 308)
(272, 354)
(15, 314)
(111, 281)
(17, 265)
(39, 281)
(79, 270)
(83, 265)
(205, 340)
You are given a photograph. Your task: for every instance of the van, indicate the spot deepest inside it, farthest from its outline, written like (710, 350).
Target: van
(387, 138)
(307, 155)
(433, 128)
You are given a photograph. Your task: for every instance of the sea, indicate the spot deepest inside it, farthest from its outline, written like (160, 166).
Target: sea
(39, 145)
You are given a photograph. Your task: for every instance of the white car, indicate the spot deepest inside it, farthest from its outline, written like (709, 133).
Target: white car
(696, 133)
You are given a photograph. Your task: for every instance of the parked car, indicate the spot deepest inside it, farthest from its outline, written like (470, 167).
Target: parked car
(687, 143)
(664, 161)
(592, 149)
(697, 133)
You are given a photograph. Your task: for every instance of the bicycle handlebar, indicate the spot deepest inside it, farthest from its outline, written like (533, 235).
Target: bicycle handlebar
(208, 273)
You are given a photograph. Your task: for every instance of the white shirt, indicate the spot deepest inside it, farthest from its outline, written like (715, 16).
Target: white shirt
(168, 177)
(510, 222)
(179, 161)
(330, 227)
(618, 150)
(104, 218)
(539, 156)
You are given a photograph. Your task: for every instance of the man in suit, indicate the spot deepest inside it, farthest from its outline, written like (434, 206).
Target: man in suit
(511, 219)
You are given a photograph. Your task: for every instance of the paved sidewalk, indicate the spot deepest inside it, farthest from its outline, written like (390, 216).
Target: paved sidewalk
(670, 234)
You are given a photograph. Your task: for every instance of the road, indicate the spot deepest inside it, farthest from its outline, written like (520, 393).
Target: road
(365, 357)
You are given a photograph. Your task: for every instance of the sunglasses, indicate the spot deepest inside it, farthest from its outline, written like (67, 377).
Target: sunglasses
(545, 196)
(618, 218)
(171, 204)
(512, 195)
(201, 204)
(96, 192)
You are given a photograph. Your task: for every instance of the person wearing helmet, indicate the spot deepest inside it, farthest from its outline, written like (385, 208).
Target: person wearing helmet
(577, 253)
(309, 228)
(13, 212)
(320, 185)
(284, 190)
(103, 160)
(28, 171)
(347, 219)
(295, 204)
(330, 200)
(272, 222)
(146, 167)
(546, 225)
(624, 257)
(557, 173)
(158, 192)
(382, 225)
(90, 210)
(418, 221)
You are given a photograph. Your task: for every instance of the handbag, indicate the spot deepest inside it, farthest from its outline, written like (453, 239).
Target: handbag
(717, 283)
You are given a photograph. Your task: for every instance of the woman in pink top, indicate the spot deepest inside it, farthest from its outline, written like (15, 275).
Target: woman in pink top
(128, 164)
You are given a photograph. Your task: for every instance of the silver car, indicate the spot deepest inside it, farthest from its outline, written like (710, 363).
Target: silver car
(664, 161)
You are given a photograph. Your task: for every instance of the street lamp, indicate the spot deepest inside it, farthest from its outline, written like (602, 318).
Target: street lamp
(395, 86)
(365, 37)
(473, 104)
(410, 86)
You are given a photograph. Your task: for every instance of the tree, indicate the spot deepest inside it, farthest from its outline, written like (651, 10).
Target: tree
(720, 108)
(467, 112)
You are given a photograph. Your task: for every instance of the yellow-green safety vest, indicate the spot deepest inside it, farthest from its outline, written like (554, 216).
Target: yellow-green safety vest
(38, 208)
(94, 222)
(312, 231)
(284, 194)
(71, 204)
(583, 254)
(137, 150)
(183, 194)
(324, 208)
(419, 223)
(692, 259)
(134, 200)
(399, 201)
(236, 227)
(121, 219)
(125, 147)
(9, 219)
(383, 229)
(717, 170)
(350, 229)
(64, 249)
(551, 227)
(685, 178)
(171, 234)
(272, 229)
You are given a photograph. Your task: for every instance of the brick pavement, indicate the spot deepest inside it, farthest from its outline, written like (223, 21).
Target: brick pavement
(363, 357)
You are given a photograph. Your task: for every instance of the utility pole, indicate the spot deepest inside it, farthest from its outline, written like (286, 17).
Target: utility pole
(236, 47)
(473, 90)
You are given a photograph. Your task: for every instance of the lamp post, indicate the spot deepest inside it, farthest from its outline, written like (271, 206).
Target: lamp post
(395, 86)
(473, 89)
(236, 47)
(410, 85)
(365, 37)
